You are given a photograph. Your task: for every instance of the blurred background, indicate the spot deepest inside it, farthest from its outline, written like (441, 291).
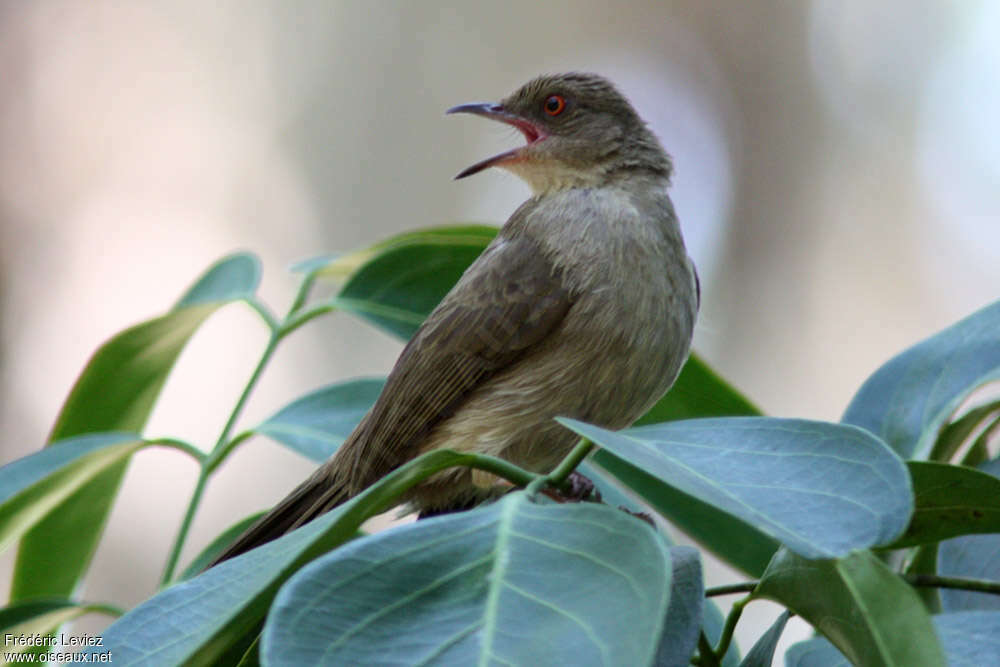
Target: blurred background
(837, 170)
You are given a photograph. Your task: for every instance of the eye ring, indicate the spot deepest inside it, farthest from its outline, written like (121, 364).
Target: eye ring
(554, 105)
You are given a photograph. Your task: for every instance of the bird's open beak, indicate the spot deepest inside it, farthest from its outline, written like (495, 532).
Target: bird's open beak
(531, 132)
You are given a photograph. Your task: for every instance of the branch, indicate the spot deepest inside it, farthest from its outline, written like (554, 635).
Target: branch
(728, 589)
(960, 583)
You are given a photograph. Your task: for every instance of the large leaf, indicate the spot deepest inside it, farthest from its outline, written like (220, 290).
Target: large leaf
(732, 540)
(686, 610)
(950, 501)
(406, 278)
(510, 583)
(821, 489)
(33, 486)
(200, 620)
(859, 604)
(316, 424)
(818, 652)
(116, 392)
(975, 556)
(906, 401)
(969, 639)
(341, 266)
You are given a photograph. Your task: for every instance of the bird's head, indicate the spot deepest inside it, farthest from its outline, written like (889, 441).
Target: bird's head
(580, 131)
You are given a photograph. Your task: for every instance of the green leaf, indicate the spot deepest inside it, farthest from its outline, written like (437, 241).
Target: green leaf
(218, 545)
(316, 424)
(969, 639)
(686, 610)
(957, 432)
(340, 266)
(762, 653)
(859, 604)
(511, 583)
(974, 556)
(199, 620)
(231, 278)
(120, 384)
(33, 487)
(979, 452)
(907, 400)
(116, 392)
(815, 653)
(950, 501)
(38, 618)
(821, 489)
(732, 540)
(406, 277)
(698, 392)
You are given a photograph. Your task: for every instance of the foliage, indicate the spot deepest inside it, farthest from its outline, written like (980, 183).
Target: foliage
(879, 530)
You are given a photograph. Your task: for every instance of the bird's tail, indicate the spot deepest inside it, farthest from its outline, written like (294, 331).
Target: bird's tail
(315, 496)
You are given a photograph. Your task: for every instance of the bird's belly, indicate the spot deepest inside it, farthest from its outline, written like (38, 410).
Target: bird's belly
(607, 379)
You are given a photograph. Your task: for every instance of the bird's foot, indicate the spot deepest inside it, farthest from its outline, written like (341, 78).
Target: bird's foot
(644, 516)
(578, 488)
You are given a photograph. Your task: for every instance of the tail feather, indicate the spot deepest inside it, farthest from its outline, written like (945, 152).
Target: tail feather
(315, 496)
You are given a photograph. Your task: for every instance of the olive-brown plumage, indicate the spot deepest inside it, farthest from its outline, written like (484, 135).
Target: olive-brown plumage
(583, 306)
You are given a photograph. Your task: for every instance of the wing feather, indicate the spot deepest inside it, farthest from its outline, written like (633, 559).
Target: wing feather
(509, 300)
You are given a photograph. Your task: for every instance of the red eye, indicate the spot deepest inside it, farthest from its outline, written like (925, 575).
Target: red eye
(554, 105)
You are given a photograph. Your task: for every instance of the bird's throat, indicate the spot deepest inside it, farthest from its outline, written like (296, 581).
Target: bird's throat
(546, 177)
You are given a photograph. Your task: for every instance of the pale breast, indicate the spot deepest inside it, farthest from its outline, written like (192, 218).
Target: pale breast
(619, 347)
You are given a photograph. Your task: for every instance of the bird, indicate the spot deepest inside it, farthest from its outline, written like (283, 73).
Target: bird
(582, 306)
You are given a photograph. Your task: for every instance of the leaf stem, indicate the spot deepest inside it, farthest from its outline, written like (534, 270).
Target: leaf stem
(558, 476)
(272, 344)
(227, 449)
(569, 464)
(726, 638)
(303, 293)
(224, 445)
(959, 583)
(297, 319)
(728, 589)
(181, 446)
(215, 457)
(192, 508)
(265, 314)
(501, 468)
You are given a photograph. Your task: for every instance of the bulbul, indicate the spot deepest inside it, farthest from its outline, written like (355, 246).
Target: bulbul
(582, 306)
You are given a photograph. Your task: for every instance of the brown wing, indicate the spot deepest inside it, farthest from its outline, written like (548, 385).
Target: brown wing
(510, 299)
